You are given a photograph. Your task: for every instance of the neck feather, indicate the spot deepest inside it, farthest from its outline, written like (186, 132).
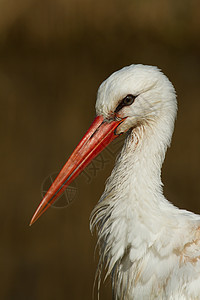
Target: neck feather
(132, 194)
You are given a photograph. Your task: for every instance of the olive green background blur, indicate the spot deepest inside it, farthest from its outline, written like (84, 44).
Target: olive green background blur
(53, 56)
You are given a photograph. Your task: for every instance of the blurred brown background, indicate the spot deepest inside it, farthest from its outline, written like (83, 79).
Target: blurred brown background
(53, 56)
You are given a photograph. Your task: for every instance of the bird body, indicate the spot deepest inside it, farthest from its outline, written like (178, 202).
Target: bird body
(150, 248)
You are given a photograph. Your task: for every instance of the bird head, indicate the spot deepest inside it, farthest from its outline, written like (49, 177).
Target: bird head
(132, 96)
(138, 94)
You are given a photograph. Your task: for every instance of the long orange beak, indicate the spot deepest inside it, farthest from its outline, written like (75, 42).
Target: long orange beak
(99, 135)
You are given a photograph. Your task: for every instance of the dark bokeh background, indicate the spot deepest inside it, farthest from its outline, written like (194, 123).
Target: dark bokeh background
(53, 56)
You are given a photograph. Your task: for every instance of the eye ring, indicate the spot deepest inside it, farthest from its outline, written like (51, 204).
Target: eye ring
(128, 100)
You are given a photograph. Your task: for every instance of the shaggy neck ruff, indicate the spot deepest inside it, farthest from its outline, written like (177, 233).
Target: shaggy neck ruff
(132, 213)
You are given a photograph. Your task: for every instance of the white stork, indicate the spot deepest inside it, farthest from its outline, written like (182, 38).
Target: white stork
(150, 248)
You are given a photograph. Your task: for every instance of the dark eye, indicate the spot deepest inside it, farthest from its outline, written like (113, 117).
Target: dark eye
(126, 101)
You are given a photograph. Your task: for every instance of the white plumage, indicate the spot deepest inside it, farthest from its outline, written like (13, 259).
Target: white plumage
(150, 247)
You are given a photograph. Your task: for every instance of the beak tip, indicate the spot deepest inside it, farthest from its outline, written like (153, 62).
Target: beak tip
(34, 218)
(31, 222)
(39, 211)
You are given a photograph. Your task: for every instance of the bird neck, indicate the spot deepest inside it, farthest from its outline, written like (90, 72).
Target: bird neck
(132, 205)
(136, 177)
(145, 151)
